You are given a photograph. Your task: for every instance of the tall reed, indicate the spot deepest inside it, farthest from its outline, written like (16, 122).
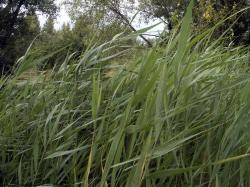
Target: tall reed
(176, 116)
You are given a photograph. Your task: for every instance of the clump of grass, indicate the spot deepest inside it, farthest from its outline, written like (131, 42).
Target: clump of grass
(177, 116)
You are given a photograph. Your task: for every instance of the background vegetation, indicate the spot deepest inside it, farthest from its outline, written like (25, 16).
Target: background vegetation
(97, 21)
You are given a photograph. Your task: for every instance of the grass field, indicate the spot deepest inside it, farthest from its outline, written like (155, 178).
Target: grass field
(176, 115)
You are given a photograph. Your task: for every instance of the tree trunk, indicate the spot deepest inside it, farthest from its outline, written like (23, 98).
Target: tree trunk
(127, 22)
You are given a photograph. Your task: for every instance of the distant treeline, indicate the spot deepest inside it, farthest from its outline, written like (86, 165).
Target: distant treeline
(19, 23)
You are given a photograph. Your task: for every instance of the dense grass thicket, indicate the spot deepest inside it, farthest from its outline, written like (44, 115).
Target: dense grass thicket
(176, 115)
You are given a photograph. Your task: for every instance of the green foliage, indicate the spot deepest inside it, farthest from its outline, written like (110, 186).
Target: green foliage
(49, 26)
(74, 40)
(206, 14)
(14, 27)
(175, 116)
(212, 11)
(17, 46)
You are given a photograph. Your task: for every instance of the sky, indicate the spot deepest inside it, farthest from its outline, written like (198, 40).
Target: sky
(63, 17)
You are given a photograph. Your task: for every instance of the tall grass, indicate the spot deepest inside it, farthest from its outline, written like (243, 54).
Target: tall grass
(176, 116)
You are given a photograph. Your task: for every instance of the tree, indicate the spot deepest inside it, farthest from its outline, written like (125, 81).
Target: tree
(28, 31)
(29, 28)
(105, 12)
(49, 26)
(13, 14)
(206, 14)
(169, 10)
